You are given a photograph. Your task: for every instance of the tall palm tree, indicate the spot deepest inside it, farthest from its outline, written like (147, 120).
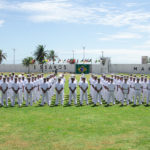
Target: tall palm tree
(40, 54)
(2, 56)
(26, 62)
(52, 55)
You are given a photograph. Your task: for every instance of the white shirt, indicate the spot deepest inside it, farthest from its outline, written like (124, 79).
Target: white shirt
(29, 86)
(84, 85)
(111, 87)
(98, 86)
(44, 86)
(4, 86)
(137, 86)
(15, 86)
(148, 86)
(59, 86)
(125, 87)
(144, 85)
(72, 85)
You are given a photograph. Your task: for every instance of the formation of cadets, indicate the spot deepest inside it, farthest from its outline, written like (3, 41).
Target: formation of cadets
(117, 88)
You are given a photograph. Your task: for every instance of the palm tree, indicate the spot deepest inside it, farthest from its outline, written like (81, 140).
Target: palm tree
(52, 55)
(40, 54)
(2, 56)
(26, 62)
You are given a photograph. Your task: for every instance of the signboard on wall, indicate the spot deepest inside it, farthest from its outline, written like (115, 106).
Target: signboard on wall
(82, 68)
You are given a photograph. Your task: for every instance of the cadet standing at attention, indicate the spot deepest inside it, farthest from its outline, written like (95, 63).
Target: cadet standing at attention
(4, 88)
(83, 92)
(59, 88)
(72, 91)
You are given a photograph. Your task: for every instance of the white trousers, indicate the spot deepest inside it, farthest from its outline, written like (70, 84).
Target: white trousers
(131, 94)
(21, 95)
(84, 96)
(10, 94)
(4, 96)
(59, 97)
(29, 98)
(137, 95)
(98, 98)
(14, 97)
(111, 96)
(144, 94)
(74, 96)
(45, 97)
(148, 97)
(125, 97)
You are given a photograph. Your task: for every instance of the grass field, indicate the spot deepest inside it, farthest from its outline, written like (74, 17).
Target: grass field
(75, 127)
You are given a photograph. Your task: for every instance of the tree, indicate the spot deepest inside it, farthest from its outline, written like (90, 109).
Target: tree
(40, 54)
(2, 56)
(27, 62)
(52, 55)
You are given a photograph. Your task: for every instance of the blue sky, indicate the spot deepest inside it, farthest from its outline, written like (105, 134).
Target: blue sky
(120, 28)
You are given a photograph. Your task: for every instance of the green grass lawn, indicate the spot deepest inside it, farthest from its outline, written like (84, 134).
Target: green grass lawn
(75, 127)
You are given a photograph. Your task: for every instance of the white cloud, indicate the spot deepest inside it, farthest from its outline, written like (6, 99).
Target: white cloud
(1, 22)
(144, 45)
(121, 36)
(131, 4)
(141, 28)
(70, 11)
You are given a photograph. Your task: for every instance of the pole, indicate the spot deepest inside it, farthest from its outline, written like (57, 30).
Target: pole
(14, 55)
(83, 53)
(102, 54)
(73, 53)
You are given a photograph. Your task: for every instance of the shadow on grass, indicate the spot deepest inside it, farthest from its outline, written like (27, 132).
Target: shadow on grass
(94, 106)
(108, 105)
(135, 106)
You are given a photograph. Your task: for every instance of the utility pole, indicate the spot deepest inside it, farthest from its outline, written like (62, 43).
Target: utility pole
(14, 50)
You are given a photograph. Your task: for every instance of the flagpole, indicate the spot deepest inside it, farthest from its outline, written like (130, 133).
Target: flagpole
(83, 53)
(73, 53)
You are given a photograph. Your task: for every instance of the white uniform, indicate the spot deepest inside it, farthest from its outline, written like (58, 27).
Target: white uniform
(125, 88)
(16, 86)
(119, 90)
(45, 87)
(63, 80)
(111, 90)
(137, 87)
(148, 93)
(144, 95)
(20, 90)
(10, 92)
(49, 91)
(98, 96)
(59, 96)
(84, 95)
(29, 86)
(74, 95)
(4, 86)
(94, 91)
(34, 92)
(0, 90)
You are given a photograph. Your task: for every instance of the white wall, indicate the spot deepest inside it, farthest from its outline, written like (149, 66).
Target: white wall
(37, 68)
(99, 69)
(12, 68)
(130, 68)
(95, 68)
